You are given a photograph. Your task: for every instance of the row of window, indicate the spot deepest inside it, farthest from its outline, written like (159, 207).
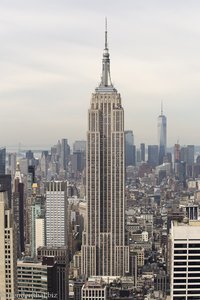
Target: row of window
(190, 245)
(188, 292)
(188, 275)
(184, 298)
(186, 269)
(184, 257)
(185, 251)
(192, 286)
(189, 280)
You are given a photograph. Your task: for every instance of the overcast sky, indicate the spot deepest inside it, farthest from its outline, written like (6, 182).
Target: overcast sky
(50, 63)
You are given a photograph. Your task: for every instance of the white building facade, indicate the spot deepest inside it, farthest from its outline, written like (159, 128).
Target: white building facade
(56, 213)
(185, 261)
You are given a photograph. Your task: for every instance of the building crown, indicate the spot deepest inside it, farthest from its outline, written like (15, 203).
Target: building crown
(106, 83)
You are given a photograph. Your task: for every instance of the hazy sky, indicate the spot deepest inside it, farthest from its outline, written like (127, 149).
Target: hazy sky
(50, 63)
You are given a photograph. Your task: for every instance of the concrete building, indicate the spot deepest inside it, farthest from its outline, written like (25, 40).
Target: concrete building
(56, 213)
(108, 288)
(5, 185)
(95, 289)
(78, 289)
(8, 251)
(104, 251)
(35, 210)
(185, 260)
(61, 256)
(139, 252)
(192, 212)
(40, 240)
(37, 280)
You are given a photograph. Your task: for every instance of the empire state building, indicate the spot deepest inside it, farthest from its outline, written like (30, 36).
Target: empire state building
(104, 251)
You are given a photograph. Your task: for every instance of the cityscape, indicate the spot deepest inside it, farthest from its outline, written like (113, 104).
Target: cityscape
(107, 216)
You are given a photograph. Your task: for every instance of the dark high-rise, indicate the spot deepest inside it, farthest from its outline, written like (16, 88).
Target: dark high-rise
(129, 148)
(153, 155)
(65, 153)
(18, 209)
(142, 151)
(2, 161)
(5, 185)
(61, 257)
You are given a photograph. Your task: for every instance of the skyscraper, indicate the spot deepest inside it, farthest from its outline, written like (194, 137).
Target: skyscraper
(37, 280)
(5, 185)
(61, 256)
(153, 155)
(190, 154)
(2, 161)
(104, 251)
(142, 150)
(18, 208)
(56, 213)
(57, 232)
(129, 148)
(8, 255)
(177, 154)
(65, 153)
(185, 251)
(162, 135)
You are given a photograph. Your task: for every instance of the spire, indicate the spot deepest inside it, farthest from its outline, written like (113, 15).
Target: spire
(105, 78)
(106, 35)
(161, 108)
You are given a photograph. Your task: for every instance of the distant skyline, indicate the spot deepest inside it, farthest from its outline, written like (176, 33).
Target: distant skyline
(50, 64)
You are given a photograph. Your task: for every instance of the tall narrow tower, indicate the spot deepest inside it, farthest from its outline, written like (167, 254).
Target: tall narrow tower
(18, 209)
(8, 251)
(56, 213)
(162, 135)
(104, 251)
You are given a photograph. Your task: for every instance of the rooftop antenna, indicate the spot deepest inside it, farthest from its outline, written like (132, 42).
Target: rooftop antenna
(106, 37)
(161, 108)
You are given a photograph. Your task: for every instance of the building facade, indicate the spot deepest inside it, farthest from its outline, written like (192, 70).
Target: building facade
(5, 185)
(185, 260)
(94, 289)
(129, 148)
(142, 151)
(2, 161)
(104, 251)
(61, 257)
(18, 209)
(56, 213)
(8, 251)
(153, 155)
(37, 280)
